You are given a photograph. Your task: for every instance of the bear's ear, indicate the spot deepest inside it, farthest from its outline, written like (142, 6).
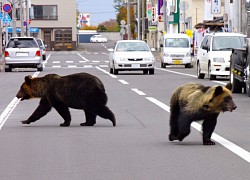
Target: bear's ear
(28, 79)
(229, 86)
(218, 90)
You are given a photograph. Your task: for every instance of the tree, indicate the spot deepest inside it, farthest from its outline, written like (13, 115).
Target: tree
(110, 26)
(122, 15)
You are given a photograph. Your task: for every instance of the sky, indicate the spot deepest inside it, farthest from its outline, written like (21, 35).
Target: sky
(100, 10)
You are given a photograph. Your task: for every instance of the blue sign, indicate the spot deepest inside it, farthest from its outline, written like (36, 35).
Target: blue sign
(7, 19)
(1, 15)
(18, 30)
(7, 7)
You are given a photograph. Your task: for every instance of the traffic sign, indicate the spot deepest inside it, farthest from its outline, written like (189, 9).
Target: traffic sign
(7, 7)
(7, 19)
(1, 15)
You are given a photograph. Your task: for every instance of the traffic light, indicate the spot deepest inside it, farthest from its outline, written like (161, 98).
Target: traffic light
(153, 13)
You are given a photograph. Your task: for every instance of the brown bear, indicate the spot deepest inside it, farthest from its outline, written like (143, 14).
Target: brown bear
(193, 102)
(78, 91)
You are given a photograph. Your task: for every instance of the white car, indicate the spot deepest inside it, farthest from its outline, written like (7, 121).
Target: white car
(131, 55)
(213, 56)
(98, 38)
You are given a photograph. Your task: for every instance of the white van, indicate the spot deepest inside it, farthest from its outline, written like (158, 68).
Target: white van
(176, 49)
(213, 56)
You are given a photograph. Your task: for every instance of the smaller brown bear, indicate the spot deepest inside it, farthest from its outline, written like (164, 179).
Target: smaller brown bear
(194, 102)
(79, 91)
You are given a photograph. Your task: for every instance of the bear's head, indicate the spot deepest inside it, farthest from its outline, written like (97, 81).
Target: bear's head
(29, 89)
(220, 99)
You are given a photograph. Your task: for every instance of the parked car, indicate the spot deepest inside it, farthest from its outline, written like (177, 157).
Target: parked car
(98, 38)
(213, 56)
(131, 55)
(22, 52)
(42, 47)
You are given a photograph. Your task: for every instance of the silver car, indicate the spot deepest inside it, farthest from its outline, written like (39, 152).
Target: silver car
(22, 52)
(131, 55)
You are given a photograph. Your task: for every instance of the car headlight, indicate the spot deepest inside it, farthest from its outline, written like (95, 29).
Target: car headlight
(148, 59)
(219, 59)
(119, 58)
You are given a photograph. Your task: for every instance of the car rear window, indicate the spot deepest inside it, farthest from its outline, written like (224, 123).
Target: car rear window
(22, 43)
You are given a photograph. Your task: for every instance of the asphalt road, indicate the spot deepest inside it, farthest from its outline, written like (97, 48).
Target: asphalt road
(137, 148)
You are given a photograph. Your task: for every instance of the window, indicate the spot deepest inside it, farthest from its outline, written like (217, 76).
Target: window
(44, 12)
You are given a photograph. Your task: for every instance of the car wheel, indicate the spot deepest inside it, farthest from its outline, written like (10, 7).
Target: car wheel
(111, 70)
(8, 69)
(199, 74)
(44, 57)
(145, 71)
(40, 67)
(151, 71)
(210, 76)
(163, 65)
(115, 71)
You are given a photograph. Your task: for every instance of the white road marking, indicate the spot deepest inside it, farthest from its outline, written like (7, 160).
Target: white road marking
(86, 60)
(69, 61)
(138, 92)
(56, 62)
(123, 81)
(56, 66)
(106, 72)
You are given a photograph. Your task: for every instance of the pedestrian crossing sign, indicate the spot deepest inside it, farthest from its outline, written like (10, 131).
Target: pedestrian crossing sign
(7, 19)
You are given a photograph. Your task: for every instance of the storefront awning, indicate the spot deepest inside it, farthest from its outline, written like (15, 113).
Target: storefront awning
(18, 30)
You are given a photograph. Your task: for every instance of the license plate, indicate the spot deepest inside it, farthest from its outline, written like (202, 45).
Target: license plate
(22, 54)
(177, 61)
(135, 65)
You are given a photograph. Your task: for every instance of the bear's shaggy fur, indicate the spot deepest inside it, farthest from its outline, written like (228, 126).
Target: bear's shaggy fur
(78, 91)
(193, 102)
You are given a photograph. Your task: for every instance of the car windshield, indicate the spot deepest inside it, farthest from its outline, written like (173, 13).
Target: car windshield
(132, 46)
(177, 42)
(39, 42)
(22, 43)
(228, 42)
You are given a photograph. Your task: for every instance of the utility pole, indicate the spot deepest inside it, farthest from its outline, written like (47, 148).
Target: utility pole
(21, 17)
(138, 20)
(165, 15)
(27, 18)
(128, 20)
(14, 18)
(143, 19)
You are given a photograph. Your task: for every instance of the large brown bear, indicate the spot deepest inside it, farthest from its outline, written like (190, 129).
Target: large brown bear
(78, 91)
(193, 102)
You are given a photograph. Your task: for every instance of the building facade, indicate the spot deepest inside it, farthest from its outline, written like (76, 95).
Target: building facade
(52, 21)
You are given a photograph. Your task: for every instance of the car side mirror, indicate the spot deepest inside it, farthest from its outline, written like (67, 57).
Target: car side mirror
(111, 50)
(153, 49)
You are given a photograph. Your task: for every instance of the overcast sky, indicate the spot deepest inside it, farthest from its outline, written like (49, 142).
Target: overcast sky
(100, 10)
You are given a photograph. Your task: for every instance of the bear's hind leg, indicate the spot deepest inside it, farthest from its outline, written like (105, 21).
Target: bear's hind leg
(63, 110)
(173, 122)
(90, 119)
(184, 127)
(208, 127)
(106, 113)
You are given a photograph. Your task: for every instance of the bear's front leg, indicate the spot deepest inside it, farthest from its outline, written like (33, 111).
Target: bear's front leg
(43, 108)
(184, 124)
(208, 127)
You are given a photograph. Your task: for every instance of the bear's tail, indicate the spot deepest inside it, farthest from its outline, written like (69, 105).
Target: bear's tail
(106, 113)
